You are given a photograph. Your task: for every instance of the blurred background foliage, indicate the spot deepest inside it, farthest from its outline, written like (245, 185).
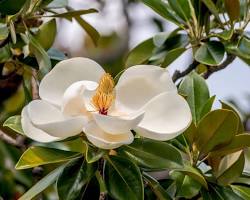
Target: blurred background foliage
(36, 34)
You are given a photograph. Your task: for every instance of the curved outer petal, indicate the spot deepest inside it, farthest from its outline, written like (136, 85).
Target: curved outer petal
(166, 116)
(77, 96)
(105, 140)
(116, 125)
(48, 118)
(32, 132)
(139, 84)
(65, 73)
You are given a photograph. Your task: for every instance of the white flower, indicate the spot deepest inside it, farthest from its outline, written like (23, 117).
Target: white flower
(77, 95)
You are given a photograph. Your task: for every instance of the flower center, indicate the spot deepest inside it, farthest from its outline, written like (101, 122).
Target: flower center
(104, 96)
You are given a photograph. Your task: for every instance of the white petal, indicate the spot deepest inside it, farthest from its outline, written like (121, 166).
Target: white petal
(139, 84)
(65, 73)
(105, 140)
(166, 116)
(49, 119)
(75, 97)
(32, 132)
(118, 124)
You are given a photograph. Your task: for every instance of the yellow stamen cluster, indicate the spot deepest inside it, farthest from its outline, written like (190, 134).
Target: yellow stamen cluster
(104, 96)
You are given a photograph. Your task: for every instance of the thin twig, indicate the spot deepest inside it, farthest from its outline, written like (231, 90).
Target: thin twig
(230, 58)
(177, 74)
(34, 85)
(9, 140)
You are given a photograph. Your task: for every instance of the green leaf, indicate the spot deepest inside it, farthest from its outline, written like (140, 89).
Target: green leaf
(194, 87)
(36, 156)
(182, 8)
(233, 9)
(42, 184)
(14, 123)
(92, 32)
(207, 106)
(158, 190)
(242, 191)
(194, 174)
(123, 179)
(244, 46)
(4, 31)
(216, 128)
(74, 176)
(186, 186)
(231, 107)
(141, 53)
(239, 142)
(74, 13)
(163, 9)
(11, 7)
(46, 34)
(153, 154)
(212, 7)
(230, 168)
(172, 55)
(5, 53)
(93, 154)
(190, 133)
(224, 35)
(210, 53)
(41, 56)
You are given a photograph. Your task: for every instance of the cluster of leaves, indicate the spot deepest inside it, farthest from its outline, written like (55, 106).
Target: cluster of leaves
(207, 161)
(27, 32)
(214, 30)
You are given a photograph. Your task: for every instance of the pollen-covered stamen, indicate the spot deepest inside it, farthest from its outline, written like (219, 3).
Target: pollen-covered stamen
(104, 96)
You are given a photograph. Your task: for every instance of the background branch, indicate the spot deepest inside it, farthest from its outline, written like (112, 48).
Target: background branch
(230, 58)
(177, 74)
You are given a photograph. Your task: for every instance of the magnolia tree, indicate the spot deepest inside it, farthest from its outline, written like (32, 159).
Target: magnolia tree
(141, 134)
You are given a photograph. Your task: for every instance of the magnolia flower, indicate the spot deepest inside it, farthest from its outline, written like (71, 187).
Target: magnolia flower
(77, 95)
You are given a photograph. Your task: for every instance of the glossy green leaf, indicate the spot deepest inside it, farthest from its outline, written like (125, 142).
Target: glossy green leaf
(172, 55)
(210, 53)
(216, 128)
(74, 176)
(141, 53)
(186, 186)
(239, 142)
(5, 53)
(242, 191)
(207, 106)
(4, 31)
(194, 174)
(92, 32)
(230, 168)
(225, 35)
(123, 179)
(93, 154)
(42, 184)
(158, 190)
(244, 46)
(194, 87)
(163, 9)
(14, 123)
(233, 9)
(190, 133)
(46, 34)
(36, 156)
(11, 7)
(231, 107)
(212, 8)
(74, 13)
(182, 8)
(41, 56)
(153, 154)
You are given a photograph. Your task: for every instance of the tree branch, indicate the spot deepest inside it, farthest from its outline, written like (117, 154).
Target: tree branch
(230, 58)
(18, 142)
(177, 74)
